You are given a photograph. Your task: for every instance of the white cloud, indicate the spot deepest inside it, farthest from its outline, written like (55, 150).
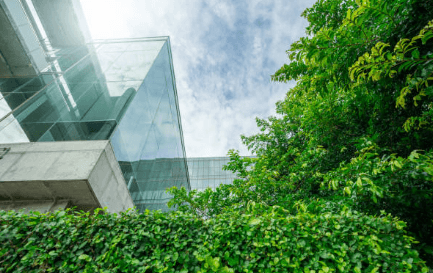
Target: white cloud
(223, 53)
(224, 10)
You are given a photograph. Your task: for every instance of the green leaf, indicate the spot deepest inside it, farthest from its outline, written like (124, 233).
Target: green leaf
(359, 182)
(347, 190)
(61, 213)
(254, 221)
(301, 243)
(415, 54)
(85, 257)
(356, 257)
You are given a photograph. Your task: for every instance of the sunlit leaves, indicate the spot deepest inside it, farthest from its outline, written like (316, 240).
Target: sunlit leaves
(260, 240)
(356, 130)
(405, 58)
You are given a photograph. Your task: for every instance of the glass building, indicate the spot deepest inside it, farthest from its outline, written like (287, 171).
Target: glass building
(56, 84)
(207, 172)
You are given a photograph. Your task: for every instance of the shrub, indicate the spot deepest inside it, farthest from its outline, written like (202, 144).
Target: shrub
(274, 240)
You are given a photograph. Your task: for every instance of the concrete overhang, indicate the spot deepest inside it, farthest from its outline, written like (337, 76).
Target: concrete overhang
(45, 176)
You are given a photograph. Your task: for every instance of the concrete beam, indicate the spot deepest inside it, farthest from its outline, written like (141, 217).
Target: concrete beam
(82, 173)
(34, 205)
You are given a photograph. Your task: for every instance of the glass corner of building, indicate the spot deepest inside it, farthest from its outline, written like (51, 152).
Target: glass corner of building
(121, 90)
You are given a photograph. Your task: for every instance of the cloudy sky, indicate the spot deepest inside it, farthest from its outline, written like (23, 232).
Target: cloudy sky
(223, 53)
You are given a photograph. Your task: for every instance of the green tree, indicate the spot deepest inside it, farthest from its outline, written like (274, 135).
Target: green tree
(357, 129)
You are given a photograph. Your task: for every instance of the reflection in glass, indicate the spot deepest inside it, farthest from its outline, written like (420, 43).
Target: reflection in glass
(207, 172)
(123, 91)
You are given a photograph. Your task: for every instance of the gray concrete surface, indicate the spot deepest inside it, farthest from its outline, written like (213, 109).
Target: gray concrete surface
(45, 176)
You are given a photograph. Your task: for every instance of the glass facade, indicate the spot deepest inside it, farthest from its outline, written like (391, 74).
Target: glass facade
(56, 84)
(118, 90)
(207, 172)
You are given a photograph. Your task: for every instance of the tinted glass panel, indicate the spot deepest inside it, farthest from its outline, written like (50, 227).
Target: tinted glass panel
(122, 91)
(207, 172)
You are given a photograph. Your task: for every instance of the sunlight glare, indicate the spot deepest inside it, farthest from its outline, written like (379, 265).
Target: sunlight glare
(104, 18)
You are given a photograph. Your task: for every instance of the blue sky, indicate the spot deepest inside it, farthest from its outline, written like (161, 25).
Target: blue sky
(223, 53)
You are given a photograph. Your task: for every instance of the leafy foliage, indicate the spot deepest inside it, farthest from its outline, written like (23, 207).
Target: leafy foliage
(261, 240)
(355, 131)
(340, 171)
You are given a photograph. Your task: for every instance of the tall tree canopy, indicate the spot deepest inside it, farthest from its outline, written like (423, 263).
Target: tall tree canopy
(356, 132)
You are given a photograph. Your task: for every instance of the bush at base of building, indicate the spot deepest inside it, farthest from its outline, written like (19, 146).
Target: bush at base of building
(269, 241)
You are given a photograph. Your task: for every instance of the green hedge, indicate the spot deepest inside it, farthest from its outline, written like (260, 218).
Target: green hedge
(68, 241)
